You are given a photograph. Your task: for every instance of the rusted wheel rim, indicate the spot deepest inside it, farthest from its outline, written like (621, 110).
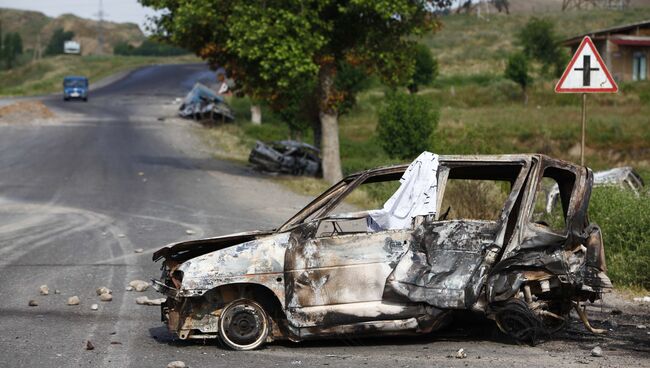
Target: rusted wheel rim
(244, 325)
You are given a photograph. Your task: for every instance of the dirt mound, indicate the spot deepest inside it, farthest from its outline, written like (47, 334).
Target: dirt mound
(25, 112)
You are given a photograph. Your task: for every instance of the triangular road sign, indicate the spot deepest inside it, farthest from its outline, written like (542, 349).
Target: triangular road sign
(586, 72)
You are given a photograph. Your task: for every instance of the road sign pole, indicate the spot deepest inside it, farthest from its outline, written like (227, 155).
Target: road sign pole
(584, 128)
(586, 73)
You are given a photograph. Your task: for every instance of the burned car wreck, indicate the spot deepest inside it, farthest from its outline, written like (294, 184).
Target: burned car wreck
(404, 268)
(287, 157)
(202, 103)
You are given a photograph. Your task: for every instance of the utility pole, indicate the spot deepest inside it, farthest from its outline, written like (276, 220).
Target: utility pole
(100, 28)
(37, 48)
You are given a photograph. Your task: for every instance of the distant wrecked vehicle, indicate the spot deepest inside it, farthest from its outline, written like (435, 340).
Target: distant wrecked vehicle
(202, 103)
(75, 87)
(404, 268)
(621, 177)
(288, 157)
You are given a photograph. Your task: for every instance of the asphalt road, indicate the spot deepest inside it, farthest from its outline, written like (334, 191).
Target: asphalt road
(78, 196)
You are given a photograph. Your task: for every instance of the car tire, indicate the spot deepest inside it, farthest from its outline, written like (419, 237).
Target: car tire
(518, 321)
(243, 325)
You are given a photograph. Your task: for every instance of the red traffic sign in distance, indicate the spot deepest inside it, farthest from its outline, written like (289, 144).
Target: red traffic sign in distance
(586, 72)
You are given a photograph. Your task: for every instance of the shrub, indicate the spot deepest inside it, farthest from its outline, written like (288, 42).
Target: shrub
(426, 68)
(517, 71)
(406, 124)
(625, 221)
(55, 45)
(541, 43)
(148, 47)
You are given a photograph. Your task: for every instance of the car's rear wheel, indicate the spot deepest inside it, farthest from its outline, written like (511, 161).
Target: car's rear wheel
(244, 325)
(518, 321)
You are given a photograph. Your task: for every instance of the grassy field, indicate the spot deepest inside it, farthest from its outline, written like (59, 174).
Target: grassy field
(46, 75)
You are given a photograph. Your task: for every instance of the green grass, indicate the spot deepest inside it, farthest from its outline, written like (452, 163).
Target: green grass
(46, 75)
(624, 220)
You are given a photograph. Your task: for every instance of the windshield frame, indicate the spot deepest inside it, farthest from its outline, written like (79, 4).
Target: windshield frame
(75, 83)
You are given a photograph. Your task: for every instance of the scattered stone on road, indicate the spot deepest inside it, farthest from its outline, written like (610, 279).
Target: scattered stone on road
(641, 326)
(103, 290)
(139, 250)
(121, 236)
(94, 307)
(190, 232)
(89, 345)
(129, 288)
(44, 290)
(139, 285)
(176, 364)
(597, 352)
(460, 354)
(73, 300)
(32, 303)
(106, 297)
(144, 300)
(57, 291)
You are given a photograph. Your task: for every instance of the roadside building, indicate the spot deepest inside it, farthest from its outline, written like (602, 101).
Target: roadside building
(625, 49)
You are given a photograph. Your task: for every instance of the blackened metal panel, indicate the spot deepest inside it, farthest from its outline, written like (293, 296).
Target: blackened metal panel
(440, 262)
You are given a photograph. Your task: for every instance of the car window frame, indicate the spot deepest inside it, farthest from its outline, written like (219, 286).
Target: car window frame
(545, 164)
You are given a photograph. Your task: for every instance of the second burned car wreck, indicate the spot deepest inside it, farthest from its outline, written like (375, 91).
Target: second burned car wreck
(403, 268)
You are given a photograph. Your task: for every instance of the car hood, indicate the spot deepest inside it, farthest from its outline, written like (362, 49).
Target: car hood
(182, 251)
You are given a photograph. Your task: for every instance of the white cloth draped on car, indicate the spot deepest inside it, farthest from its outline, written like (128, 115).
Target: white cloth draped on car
(416, 196)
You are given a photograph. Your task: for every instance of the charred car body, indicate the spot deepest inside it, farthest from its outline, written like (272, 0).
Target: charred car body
(203, 103)
(403, 268)
(287, 157)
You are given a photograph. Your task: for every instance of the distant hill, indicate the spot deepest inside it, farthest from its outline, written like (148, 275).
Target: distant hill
(32, 24)
(539, 6)
(469, 44)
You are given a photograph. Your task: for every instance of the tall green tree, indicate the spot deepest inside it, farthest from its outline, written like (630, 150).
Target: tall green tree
(55, 45)
(12, 47)
(271, 46)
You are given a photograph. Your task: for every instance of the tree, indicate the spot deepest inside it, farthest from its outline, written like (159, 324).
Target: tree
(517, 71)
(2, 51)
(502, 5)
(55, 46)
(540, 42)
(270, 47)
(406, 124)
(12, 47)
(426, 68)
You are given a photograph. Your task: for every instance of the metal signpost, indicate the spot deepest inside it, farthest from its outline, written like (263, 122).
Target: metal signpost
(586, 73)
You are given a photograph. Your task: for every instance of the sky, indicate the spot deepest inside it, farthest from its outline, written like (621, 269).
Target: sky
(115, 10)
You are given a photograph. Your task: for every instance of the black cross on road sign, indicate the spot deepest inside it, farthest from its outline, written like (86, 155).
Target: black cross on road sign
(586, 70)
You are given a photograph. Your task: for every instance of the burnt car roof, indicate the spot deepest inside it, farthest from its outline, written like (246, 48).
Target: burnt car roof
(450, 159)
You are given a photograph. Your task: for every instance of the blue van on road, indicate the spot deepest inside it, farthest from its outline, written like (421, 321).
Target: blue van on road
(75, 87)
